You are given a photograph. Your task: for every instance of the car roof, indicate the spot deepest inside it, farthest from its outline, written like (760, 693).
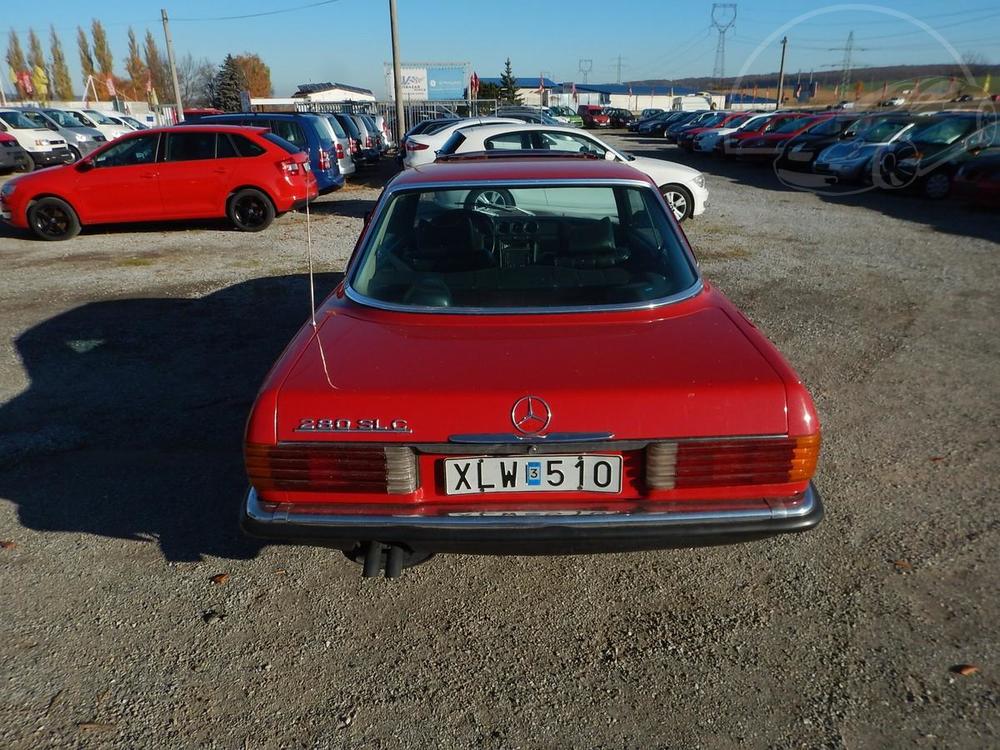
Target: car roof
(213, 127)
(517, 169)
(503, 127)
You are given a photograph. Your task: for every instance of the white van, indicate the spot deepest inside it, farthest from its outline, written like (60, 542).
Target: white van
(43, 145)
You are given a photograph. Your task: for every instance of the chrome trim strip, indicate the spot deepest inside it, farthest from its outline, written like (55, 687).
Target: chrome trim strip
(282, 516)
(391, 191)
(501, 438)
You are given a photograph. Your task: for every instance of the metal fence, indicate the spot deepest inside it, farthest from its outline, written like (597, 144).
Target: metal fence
(413, 111)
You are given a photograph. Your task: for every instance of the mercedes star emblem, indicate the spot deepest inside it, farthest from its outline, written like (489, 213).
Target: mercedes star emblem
(530, 415)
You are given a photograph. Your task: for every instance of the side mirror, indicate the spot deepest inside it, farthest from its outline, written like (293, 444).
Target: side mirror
(52, 126)
(85, 166)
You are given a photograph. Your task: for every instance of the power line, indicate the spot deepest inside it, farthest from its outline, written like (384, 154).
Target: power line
(262, 13)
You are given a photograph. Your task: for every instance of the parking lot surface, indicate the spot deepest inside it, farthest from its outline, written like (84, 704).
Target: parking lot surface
(136, 616)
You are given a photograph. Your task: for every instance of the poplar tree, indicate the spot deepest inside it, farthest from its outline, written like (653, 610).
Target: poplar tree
(135, 67)
(87, 66)
(15, 59)
(158, 71)
(62, 84)
(102, 51)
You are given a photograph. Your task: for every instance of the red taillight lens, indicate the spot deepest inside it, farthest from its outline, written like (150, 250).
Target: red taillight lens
(289, 166)
(324, 159)
(299, 467)
(355, 147)
(368, 141)
(413, 146)
(731, 462)
(340, 151)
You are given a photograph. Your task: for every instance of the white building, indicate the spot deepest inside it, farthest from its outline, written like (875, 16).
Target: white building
(332, 92)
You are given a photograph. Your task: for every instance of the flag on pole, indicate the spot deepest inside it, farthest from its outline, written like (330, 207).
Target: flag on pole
(798, 91)
(986, 84)
(109, 83)
(40, 81)
(24, 77)
(541, 83)
(630, 89)
(575, 97)
(474, 86)
(12, 75)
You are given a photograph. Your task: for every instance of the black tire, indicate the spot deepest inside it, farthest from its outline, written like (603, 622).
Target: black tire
(679, 199)
(75, 152)
(53, 219)
(485, 197)
(250, 210)
(27, 164)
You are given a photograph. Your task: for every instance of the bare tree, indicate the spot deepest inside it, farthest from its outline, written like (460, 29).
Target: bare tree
(195, 79)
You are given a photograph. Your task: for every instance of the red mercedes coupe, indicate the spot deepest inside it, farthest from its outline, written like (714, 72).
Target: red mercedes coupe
(523, 357)
(199, 172)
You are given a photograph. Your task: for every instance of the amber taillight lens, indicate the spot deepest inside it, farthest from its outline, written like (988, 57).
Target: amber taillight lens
(729, 462)
(318, 467)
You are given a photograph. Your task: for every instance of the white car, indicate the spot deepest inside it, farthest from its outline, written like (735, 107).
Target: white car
(421, 149)
(342, 144)
(44, 146)
(706, 142)
(102, 122)
(682, 187)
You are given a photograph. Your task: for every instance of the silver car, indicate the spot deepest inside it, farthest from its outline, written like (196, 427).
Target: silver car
(80, 138)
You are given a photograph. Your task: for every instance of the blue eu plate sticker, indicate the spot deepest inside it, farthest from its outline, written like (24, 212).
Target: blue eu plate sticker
(533, 472)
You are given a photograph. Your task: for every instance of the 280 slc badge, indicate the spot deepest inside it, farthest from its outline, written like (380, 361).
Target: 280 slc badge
(352, 425)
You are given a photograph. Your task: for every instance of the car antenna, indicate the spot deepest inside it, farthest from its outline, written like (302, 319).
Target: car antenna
(309, 253)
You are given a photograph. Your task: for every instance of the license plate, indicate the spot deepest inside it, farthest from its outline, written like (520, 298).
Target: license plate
(480, 475)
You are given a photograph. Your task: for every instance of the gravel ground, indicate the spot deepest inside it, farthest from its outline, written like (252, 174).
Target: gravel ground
(130, 358)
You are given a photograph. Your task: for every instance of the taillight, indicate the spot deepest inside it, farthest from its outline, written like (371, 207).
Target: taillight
(727, 462)
(368, 141)
(414, 146)
(319, 467)
(354, 145)
(289, 166)
(340, 151)
(324, 159)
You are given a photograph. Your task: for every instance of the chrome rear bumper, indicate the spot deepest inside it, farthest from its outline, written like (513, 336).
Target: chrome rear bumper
(534, 533)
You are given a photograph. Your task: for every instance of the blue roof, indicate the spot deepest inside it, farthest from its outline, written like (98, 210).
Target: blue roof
(529, 82)
(638, 89)
(748, 99)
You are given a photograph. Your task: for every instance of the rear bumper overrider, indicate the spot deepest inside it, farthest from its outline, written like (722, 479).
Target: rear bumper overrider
(539, 533)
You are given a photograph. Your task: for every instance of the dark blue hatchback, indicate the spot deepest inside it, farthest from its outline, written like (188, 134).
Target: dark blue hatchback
(302, 130)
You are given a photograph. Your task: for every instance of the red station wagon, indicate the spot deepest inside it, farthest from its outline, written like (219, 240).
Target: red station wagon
(524, 357)
(194, 172)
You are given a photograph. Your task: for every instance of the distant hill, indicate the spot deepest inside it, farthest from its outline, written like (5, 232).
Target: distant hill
(830, 78)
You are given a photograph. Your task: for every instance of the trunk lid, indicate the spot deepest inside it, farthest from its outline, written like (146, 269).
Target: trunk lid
(424, 378)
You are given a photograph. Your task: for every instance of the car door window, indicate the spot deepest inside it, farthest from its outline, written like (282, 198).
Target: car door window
(290, 131)
(194, 146)
(243, 145)
(570, 142)
(129, 152)
(508, 141)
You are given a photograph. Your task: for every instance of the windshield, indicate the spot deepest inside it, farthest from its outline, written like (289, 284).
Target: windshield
(539, 247)
(882, 132)
(65, 119)
(99, 118)
(943, 133)
(790, 126)
(18, 120)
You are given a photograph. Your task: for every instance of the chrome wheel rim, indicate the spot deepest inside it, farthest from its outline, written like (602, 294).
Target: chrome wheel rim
(677, 202)
(489, 198)
(51, 221)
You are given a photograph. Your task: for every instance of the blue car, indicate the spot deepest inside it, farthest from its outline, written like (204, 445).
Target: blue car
(302, 130)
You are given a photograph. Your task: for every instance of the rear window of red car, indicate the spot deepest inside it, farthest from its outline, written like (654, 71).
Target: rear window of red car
(281, 142)
(539, 247)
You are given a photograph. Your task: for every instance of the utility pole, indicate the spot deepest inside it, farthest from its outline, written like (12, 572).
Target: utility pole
(619, 69)
(397, 75)
(781, 74)
(173, 66)
(584, 67)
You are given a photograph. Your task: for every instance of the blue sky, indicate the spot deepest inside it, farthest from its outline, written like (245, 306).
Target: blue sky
(348, 40)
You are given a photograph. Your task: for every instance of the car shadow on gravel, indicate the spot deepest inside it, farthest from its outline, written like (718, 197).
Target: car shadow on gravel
(132, 424)
(356, 208)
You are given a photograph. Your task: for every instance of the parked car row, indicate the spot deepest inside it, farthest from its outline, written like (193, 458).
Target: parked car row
(682, 187)
(930, 153)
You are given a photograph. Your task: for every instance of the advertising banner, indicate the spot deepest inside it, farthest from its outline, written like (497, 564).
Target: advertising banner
(446, 82)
